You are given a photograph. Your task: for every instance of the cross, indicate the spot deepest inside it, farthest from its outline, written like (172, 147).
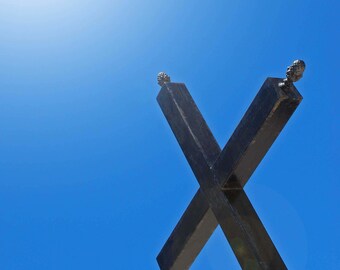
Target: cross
(222, 174)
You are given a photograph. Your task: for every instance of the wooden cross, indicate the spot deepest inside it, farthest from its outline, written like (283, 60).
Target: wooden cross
(222, 174)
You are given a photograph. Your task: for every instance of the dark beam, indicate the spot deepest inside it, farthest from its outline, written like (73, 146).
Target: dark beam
(265, 118)
(197, 141)
(201, 150)
(189, 236)
(258, 237)
(191, 131)
(243, 229)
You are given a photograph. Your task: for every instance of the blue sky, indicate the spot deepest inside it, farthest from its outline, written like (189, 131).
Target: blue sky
(91, 175)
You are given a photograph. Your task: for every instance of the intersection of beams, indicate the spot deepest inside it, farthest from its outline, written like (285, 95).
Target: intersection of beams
(222, 175)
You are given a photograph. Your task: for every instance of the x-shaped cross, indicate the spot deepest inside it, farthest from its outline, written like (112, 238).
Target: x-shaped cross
(222, 175)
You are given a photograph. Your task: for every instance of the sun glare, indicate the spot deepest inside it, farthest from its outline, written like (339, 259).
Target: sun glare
(30, 6)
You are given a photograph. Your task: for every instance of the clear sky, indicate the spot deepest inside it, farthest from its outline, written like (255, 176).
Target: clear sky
(91, 176)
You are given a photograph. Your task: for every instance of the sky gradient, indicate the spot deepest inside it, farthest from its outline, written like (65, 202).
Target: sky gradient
(91, 176)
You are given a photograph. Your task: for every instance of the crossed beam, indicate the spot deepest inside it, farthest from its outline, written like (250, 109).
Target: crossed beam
(222, 174)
